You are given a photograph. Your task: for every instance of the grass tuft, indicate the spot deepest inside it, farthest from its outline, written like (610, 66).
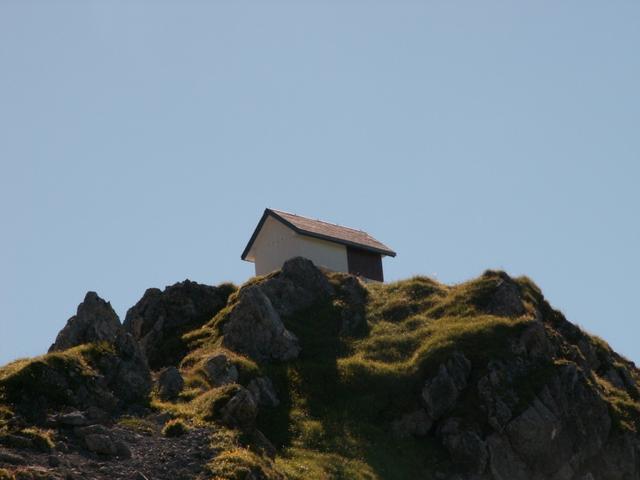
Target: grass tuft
(175, 428)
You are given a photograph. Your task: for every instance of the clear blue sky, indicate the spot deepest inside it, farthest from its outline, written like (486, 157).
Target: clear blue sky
(140, 142)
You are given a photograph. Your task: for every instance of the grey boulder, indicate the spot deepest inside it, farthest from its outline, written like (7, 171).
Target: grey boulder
(220, 370)
(241, 410)
(263, 392)
(255, 328)
(170, 383)
(160, 318)
(94, 321)
(441, 392)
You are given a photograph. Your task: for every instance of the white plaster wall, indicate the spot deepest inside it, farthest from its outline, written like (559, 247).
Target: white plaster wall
(324, 254)
(277, 243)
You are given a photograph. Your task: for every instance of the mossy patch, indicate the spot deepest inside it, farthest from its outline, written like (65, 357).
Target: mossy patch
(624, 410)
(138, 425)
(237, 462)
(175, 428)
(52, 380)
(194, 373)
(34, 438)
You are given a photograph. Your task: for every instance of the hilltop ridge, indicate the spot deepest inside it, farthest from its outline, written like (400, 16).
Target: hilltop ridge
(307, 374)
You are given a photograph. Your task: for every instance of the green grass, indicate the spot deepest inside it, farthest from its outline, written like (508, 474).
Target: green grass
(339, 397)
(175, 428)
(34, 438)
(624, 410)
(53, 377)
(236, 461)
(192, 366)
(138, 425)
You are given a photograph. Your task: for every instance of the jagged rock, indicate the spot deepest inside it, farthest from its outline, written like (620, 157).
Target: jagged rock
(219, 370)
(566, 424)
(417, 423)
(441, 392)
(504, 463)
(263, 392)
(495, 397)
(255, 329)
(505, 299)
(589, 353)
(100, 443)
(241, 410)
(254, 325)
(159, 318)
(72, 419)
(170, 383)
(131, 381)
(298, 285)
(535, 343)
(353, 298)
(94, 321)
(96, 429)
(619, 459)
(123, 374)
(467, 450)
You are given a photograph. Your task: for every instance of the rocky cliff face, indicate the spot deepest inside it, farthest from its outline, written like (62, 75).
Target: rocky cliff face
(302, 374)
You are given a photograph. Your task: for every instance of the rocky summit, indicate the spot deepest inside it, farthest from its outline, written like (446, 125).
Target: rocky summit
(305, 374)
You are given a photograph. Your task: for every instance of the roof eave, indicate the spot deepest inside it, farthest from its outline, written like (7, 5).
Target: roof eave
(300, 231)
(254, 235)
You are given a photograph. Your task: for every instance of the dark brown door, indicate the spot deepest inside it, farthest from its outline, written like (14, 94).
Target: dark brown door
(364, 263)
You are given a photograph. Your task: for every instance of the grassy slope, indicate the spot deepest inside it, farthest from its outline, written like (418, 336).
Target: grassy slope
(344, 393)
(339, 397)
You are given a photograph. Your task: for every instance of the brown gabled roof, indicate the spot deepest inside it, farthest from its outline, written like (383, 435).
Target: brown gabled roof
(322, 230)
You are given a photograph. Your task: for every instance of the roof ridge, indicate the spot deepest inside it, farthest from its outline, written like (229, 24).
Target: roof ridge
(319, 220)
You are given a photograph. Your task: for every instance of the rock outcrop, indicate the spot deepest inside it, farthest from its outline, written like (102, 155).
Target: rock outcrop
(95, 321)
(441, 392)
(170, 383)
(300, 284)
(241, 410)
(504, 298)
(353, 297)
(263, 392)
(220, 370)
(127, 372)
(254, 326)
(107, 371)
(468, 451)
(160, 318)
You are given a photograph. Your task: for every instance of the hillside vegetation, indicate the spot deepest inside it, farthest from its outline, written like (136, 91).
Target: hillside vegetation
(306, 374)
